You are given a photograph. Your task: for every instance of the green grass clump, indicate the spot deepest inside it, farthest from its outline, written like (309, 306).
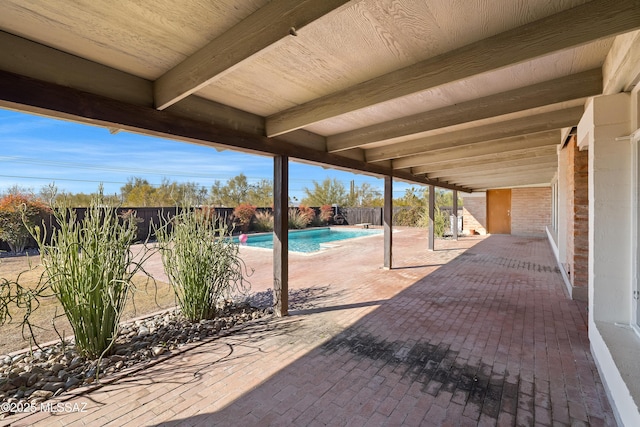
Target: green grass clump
(201, 261)
(89, 266)
(298, 219)
(263, 221)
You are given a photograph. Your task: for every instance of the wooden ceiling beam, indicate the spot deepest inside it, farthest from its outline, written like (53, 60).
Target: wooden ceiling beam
(480, 149)
(477, 175)
(439, 172)
(36, 96)
(536, 178)
(573, 27)
(37, 61)
(19, 56)
(524, 154)
(575, 86)
(492, 132)
(275, 21)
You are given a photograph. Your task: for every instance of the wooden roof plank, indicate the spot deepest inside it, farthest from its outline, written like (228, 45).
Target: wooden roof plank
(508, 180)
(591, 21)
(269, 24)
(502, 147)
(522, 154)
(575, 86)
(492, 132)
(492, 166)
(476, 175)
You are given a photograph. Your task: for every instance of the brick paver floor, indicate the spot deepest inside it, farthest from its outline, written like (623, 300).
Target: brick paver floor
(478, 332)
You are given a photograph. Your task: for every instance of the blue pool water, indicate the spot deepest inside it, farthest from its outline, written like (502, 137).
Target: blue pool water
(308, 240)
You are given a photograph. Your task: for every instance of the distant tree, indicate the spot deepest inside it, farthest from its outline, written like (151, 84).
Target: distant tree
(329, 192)
(48, 193)
(17, 190)
(413, 197)
(77, 200)
(216, 194)
(261, 193)
(237, 191)
(363, 196)
(138, 192)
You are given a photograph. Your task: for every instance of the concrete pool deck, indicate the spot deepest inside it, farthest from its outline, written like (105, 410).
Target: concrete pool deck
(478, 332)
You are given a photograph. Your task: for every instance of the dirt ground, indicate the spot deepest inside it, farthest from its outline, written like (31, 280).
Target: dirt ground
(148, 297)
(311, 277)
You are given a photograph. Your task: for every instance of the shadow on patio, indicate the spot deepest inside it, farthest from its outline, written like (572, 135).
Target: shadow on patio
(488, 338)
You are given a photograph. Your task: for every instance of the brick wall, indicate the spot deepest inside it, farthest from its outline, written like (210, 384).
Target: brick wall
(578, 217)
(530, 211)
(474, 213)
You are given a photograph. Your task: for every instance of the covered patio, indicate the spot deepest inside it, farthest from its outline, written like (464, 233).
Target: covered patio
(467, 96)
(479, 332)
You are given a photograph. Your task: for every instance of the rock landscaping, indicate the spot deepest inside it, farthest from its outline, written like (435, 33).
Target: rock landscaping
(32, 377)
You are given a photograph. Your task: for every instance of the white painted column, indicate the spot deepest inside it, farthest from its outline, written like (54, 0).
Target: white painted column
(605, 128)
(563, 204)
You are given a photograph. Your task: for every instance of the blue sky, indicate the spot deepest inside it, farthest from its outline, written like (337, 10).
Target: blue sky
(36, 150)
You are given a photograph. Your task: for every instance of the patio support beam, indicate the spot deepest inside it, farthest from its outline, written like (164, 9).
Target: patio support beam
(489, 166)
(455, 214)
(281, 234)
(432, 203)
(591, 21)
(532, 124)
(497, 158)
(523, 170)
(36, 96)
(497, 148)
(277, 20)
(388, 222)
(572, 87)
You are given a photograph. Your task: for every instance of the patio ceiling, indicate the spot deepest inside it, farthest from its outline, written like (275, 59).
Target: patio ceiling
(462, 95)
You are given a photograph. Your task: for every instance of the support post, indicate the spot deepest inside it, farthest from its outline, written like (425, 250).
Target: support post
(281, 234)
(455, 214)
(432, 203)
(388, 221)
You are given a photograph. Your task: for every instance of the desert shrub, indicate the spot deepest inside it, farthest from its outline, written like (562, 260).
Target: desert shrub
(307, 213)
(202, 263)
(263, 221)
(18, 212)
(88, 267)
(440, 221)
(243, 215)
(326, 213)
(409, 216)
(298, 220)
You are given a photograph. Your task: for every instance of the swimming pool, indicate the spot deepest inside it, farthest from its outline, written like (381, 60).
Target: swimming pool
(308, 240)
